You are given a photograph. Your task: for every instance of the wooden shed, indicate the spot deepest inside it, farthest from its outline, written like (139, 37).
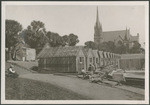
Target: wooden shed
(101, 58)
(111, 58)
(95, 58)
(22, 52)
(132, 61)
(30, 54)
(19, 53)
(88, 56)
(118, 57)
(106, 59)
(62, 59)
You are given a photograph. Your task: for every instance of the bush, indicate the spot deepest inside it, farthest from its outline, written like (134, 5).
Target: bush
(34, 68)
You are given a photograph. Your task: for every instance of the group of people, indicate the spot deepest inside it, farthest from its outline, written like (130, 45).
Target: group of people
(99, 76)
(89, 73)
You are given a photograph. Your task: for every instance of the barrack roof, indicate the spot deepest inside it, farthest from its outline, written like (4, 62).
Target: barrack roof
(59, 51)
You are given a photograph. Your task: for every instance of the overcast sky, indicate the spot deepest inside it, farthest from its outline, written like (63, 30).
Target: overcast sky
(80, 19)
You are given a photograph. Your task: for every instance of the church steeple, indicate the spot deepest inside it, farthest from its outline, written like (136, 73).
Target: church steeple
(97, 29)
(125, 37)
(97, 17)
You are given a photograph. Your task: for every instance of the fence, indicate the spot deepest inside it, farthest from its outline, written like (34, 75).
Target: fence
(132, 61)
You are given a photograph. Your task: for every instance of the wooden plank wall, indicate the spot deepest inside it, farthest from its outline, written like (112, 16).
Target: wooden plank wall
(59, 64)
(132, 64)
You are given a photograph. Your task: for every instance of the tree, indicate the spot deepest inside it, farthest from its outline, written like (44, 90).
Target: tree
(142, 50)
(65, 40)
(136, 47)
(72, 39)
(90, 44)
(107, 46)
(120, 48)
(35, 35)
(55, 39)
(12, 38)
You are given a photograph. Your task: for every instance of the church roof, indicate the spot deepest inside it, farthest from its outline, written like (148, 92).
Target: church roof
(113, 35)
(135, 38)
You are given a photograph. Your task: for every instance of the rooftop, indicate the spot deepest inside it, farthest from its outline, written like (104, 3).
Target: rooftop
(59, 51)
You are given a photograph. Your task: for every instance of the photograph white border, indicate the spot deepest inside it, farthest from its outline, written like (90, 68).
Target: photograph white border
(3, 13)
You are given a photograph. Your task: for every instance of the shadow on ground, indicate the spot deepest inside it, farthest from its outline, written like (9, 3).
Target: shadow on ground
(25, 89)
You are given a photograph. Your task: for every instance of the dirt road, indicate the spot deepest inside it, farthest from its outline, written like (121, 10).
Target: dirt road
(83, 87)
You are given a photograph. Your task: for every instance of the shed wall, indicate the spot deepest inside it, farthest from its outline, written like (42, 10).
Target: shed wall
(132, 64)
(30, 54)
(80, 61)
(59, 64)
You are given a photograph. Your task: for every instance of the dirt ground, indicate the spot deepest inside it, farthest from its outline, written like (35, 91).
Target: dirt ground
(78, 86)
(27, 89)
(85, 88)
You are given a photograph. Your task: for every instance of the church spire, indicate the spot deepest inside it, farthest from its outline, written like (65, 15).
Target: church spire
(125, 38)
(97, 17)
(97, 30)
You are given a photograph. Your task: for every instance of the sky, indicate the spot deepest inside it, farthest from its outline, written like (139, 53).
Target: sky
(80, 19)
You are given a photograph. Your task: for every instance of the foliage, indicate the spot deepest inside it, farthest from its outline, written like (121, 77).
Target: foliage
(65, 40)
(72, 39)
(119, 47)
(34, 35)
(90, 44)
(55, 39)
(107, 46)
(12, 30)
(12, 35)
(136, 48)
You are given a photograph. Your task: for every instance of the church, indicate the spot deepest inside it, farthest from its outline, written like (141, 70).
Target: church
(114, 36)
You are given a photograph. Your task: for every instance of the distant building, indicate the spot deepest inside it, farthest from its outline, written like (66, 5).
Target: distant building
(98, 32)
(132, 61)
(73, 59)
(22, 52)
(30, 54)
(88, 57)
(62, 59)
(115, 36)
(96, 58)
(101, 58)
